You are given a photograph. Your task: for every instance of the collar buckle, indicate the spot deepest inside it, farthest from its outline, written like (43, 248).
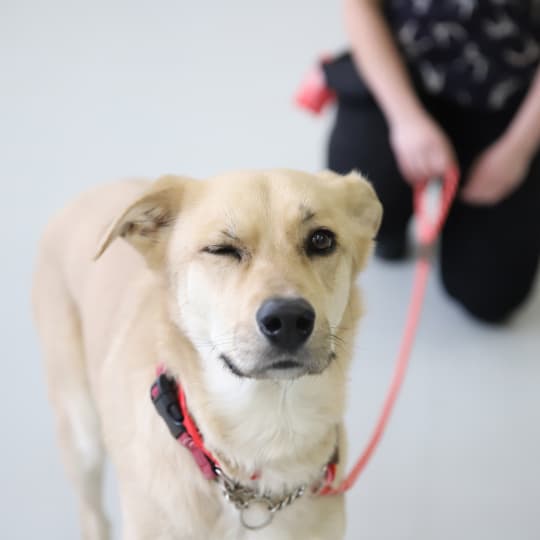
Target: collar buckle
(164, 394)
(165, 399)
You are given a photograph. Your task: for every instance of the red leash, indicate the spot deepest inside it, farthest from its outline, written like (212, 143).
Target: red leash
(428, 231)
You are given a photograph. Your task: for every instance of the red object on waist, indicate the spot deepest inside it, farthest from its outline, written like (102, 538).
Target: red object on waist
(313, 94)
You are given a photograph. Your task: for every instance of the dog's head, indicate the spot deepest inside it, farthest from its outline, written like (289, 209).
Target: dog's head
(260, 265)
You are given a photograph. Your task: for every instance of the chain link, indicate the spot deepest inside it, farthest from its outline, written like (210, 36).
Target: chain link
(242, 496)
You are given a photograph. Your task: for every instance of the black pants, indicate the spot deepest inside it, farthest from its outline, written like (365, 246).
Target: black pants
(489, 255)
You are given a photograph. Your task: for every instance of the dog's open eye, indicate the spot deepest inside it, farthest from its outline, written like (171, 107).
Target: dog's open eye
(224, 250)
(321, 242)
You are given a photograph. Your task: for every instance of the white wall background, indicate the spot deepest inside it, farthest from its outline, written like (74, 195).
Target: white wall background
(92, 91)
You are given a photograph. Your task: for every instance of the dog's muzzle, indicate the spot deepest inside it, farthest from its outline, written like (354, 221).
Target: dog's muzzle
(286, 325)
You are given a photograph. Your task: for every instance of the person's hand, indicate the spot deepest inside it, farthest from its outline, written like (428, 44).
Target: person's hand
(422, 149)
(495, 174)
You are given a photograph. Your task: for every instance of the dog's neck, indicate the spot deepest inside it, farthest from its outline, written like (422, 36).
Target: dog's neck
(284, 432)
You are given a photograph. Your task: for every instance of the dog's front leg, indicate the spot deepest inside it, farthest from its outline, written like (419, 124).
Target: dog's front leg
(143, 520)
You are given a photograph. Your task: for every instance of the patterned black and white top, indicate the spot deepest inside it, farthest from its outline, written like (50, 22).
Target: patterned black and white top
(480, 53)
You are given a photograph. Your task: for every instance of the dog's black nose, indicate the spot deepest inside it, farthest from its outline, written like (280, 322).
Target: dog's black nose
(286, 323)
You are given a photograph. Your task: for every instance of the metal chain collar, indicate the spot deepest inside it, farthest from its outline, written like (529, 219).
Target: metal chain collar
(246, 499)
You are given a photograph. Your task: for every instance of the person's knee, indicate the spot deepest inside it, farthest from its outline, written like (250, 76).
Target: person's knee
(489, 310)
(484, 301)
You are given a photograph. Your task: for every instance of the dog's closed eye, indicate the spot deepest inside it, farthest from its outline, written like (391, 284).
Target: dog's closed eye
(224, 250)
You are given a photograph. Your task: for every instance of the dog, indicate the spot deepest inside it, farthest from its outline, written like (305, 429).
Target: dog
(229, 304)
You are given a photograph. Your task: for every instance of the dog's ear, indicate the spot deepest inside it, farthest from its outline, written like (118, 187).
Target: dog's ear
(361, 200)
(364, 207)
(364, 204)
(147, 222)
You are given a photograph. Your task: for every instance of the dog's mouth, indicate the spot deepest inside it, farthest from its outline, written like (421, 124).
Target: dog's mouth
(284, 368)
(231, 365)
(285, 364)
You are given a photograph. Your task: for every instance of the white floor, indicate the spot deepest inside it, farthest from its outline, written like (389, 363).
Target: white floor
(98, 90)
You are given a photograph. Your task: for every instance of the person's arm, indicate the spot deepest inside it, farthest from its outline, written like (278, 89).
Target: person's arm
(524, 130)
(502, 167)
(378, 59)
(421, 148)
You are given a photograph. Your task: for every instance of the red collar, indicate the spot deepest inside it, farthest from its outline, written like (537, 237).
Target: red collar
(170, 402)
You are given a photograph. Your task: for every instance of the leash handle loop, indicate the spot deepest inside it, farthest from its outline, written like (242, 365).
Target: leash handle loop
(429, 228)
